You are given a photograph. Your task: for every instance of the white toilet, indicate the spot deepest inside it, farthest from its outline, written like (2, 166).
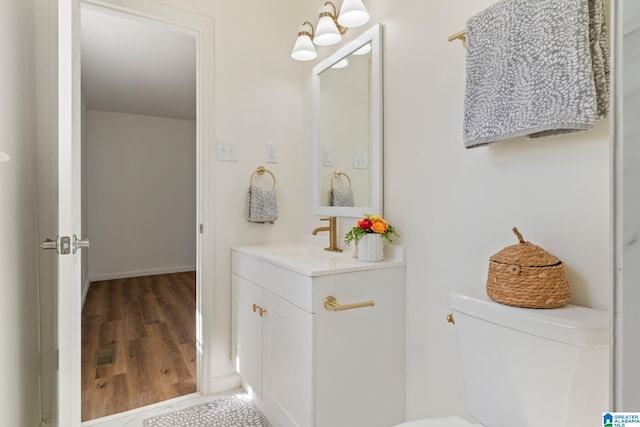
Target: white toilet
(530, 367)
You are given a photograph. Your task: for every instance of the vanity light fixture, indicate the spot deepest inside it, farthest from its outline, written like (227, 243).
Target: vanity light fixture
(328, 31)
(330, 28)
(353, 14)
(303, 49)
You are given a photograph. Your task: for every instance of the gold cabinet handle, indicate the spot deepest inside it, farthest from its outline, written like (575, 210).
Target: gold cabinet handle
(450, 319)
(331, 304)
(261, 311)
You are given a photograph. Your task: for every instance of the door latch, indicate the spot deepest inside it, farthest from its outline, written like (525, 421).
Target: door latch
(50, 244)
(62, 245)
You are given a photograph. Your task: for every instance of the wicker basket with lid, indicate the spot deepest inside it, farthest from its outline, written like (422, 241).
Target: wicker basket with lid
(525, 275)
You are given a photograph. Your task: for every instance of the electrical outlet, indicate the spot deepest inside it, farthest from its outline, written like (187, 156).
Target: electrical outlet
(227, 151)
(271, 152)
(327, 157)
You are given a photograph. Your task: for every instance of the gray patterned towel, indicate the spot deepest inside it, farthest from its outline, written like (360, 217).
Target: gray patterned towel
(341, 197)
(535, 68)
(262, 205)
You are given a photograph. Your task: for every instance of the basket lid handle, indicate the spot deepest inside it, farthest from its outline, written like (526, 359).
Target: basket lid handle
(517, 233)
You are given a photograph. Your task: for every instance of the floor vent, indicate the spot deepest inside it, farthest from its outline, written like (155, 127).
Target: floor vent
(105, 356)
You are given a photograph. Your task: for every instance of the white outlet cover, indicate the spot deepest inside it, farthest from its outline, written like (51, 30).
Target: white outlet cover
(271, 152)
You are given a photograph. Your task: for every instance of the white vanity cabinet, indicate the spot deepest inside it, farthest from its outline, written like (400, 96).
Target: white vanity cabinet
(310, 366)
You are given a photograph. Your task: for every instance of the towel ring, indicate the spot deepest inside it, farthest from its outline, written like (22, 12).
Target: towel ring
(260, 170)
(338, 174)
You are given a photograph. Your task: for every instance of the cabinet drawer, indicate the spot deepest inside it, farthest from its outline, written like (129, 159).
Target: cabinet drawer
(360, 286)
(291, 286)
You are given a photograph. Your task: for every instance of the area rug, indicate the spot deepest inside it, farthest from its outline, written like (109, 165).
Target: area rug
(232, 411)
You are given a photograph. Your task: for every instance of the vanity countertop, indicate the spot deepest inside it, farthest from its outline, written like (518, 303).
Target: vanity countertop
(312, 260)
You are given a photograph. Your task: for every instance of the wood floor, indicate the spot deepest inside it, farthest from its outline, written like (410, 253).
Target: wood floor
(148, 323)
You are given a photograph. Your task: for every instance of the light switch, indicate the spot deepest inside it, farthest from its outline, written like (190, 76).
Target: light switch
(227, 151)
(360, 160)
(327, 157)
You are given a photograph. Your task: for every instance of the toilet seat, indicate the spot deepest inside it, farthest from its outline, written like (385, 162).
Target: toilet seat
(439, 422)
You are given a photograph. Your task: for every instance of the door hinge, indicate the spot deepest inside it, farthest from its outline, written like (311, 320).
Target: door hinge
(201, 228)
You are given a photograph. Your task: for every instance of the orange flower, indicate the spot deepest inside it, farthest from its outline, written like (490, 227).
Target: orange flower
(379, 225)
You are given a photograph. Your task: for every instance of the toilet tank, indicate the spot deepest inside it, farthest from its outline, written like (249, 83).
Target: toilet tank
(533, 367)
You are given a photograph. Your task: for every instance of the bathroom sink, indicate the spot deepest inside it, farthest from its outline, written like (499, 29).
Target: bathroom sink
(311, 259)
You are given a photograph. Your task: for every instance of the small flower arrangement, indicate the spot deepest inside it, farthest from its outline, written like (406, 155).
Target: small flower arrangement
(370, 224)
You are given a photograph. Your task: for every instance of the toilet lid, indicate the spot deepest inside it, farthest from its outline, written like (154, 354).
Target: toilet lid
(439, 422)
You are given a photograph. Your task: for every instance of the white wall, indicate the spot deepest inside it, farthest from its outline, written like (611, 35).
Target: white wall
(454, 208)
(19, 395)
(141, 186)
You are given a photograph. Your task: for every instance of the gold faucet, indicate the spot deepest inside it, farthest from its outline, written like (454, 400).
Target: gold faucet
(333, 240)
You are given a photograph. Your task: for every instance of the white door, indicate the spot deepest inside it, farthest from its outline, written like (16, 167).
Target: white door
(69, 215)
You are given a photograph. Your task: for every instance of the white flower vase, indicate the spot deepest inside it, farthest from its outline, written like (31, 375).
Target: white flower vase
(371, 248)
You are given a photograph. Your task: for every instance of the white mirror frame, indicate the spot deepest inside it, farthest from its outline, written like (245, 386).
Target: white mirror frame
(374, 36)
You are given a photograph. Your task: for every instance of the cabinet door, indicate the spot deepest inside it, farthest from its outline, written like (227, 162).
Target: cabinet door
(287, 358)
(249, 336)
(359, 355)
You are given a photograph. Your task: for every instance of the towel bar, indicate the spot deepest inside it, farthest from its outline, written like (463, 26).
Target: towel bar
(460, 35)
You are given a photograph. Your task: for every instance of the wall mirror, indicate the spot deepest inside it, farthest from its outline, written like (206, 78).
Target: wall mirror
(347, 148)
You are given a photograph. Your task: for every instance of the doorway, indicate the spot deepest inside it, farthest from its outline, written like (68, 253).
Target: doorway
(140, 207)
(60, 300)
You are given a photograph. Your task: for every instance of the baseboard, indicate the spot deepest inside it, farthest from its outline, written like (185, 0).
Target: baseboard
(85, 290)
(139, 273)
(225, 382)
